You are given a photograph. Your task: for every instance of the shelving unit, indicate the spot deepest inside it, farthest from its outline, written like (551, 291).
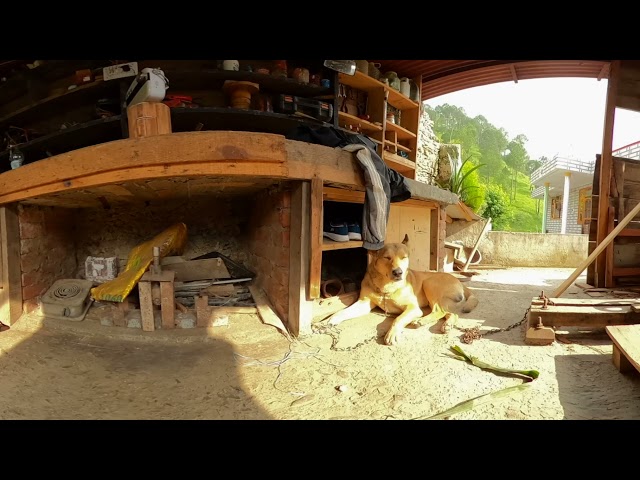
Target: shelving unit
(392, 138)
(328, 244)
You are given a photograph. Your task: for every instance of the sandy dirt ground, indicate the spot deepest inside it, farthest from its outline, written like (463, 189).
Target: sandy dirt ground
(52, 369)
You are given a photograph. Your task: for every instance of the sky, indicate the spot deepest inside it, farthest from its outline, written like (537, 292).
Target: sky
(559, 116)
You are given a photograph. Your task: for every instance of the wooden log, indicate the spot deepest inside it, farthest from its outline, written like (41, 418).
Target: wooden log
(148, 118)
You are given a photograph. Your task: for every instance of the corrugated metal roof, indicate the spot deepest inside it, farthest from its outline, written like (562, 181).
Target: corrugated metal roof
(440, 77)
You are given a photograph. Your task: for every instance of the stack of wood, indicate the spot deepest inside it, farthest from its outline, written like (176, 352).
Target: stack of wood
(208, 277)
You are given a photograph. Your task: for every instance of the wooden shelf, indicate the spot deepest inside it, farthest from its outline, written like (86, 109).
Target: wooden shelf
(78, 136)
(53, 101)
(211, 79)
(402, 133)
(184, 119)
(401, 165)
(367, 84)
(328, 244)
(361, 81)
(398, 146)
(365, 126)
(398, 100)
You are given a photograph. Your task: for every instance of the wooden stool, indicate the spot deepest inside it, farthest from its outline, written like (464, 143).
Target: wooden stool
(167, 299)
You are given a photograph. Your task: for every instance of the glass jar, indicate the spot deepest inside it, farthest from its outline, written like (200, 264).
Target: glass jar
(394, 81)
(414, 92)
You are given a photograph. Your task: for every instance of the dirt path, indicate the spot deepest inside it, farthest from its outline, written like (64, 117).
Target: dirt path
(68, 370)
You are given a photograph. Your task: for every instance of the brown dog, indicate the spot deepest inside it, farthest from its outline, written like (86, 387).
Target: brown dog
(390, 284)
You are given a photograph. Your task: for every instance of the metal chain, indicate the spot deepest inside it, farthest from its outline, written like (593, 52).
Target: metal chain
(471, 334)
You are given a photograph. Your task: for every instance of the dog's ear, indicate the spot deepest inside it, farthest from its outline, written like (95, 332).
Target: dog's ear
(406, 239)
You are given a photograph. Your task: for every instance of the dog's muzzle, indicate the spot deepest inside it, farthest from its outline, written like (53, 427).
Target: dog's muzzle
(396, 273)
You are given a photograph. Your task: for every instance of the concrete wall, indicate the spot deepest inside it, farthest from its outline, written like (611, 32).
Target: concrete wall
(519, 249)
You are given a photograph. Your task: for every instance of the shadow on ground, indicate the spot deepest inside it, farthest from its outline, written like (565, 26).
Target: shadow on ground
(51, 374)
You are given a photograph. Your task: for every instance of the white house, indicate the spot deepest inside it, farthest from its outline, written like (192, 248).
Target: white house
(565, 184)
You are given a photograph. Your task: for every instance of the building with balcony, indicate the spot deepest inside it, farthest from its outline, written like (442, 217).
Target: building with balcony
(565, 185)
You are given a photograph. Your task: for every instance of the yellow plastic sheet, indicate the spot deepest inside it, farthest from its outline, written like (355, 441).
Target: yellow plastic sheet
(171, 242)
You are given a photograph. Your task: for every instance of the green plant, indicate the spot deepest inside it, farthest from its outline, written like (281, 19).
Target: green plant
(458, 182)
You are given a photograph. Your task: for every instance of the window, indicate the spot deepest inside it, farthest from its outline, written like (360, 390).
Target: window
(556, 207)
(584, 205)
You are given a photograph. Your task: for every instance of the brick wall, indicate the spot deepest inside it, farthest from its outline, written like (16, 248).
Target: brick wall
(47, 249)
(268, 246)
(555, 225)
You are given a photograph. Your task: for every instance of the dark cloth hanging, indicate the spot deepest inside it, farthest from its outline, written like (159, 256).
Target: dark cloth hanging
(383, 185)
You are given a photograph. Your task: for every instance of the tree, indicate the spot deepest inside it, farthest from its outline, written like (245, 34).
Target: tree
(496, 206)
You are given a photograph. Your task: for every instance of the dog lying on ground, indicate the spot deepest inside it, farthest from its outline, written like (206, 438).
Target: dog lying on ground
(390, 284)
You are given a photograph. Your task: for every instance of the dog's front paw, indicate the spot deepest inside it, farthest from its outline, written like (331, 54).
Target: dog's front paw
(392, 337)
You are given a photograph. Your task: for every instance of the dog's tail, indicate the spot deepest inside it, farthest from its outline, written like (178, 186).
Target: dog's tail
(471, 301)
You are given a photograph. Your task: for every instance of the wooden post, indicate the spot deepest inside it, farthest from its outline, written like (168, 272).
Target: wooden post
(11, 291)
(598, 250)
(148, 118)
(608, 280)
(300, 308)
(606, 166)
(315, 240)
(475, 247)
(167, 299)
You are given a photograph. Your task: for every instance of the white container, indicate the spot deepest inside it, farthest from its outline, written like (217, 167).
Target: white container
(233, 65)
(150, 86)
(405, 86)
(101, 269)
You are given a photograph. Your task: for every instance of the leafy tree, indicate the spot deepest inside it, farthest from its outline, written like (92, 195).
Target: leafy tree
(497, 206)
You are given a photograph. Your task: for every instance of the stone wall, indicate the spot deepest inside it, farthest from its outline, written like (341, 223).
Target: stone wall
(267, 245)
(47, 249)
(428, 150)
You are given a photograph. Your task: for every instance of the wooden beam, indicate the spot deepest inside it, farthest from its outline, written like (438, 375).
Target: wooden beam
(608, 281)
(434, 241)
(11, 292)
(315, 240)
(606, 167)
(513, 73)
(603, 71)
(475, 247)
(178, 154)
(625, 271)
(300, 308)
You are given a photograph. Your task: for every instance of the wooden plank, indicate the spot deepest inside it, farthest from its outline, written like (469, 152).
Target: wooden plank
(167, 305)
(299, 306)
(625, 271)
(234, 310)
(203, 311)
(328, 244)
(327, 306)
(438, 251)
(606, 166)
(146, 306)
(598, 250)
(315, 238)
(178, 154)
(265, 310)
(618, 175)
(585, 316)
(475, 246)
(627, 340)
(205, 269)
(588, 302)
(11, 292)
(630, 232)
(609, 281)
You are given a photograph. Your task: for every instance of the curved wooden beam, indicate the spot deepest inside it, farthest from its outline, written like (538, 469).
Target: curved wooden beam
(178, 154)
